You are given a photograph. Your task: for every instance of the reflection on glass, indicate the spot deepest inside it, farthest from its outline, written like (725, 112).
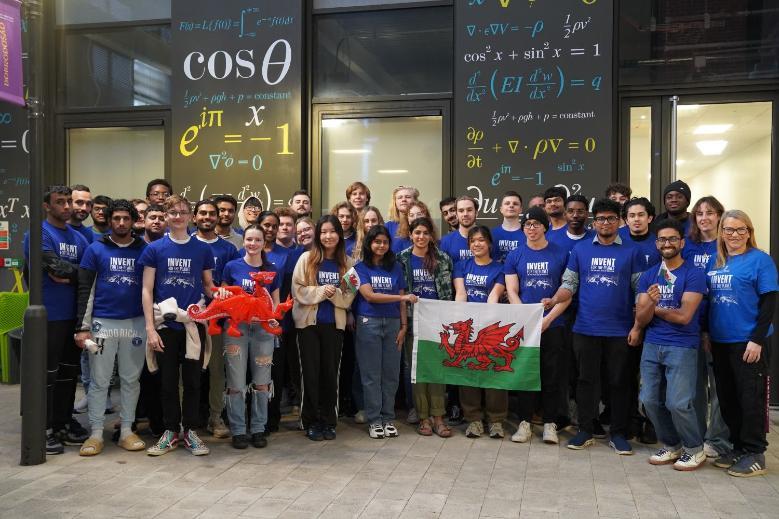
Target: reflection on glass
(641, 150)
(104, 11)
(725, 150)
(383, 153)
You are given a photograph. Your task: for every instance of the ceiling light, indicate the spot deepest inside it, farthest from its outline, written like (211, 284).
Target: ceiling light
(332, 123)
(679, 162)
(709, 129)
(711, 147)
(356, 151)
(392, 171)
(687, 108)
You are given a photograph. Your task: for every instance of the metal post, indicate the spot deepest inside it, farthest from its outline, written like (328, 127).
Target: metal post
(674, 112)
(33, 371)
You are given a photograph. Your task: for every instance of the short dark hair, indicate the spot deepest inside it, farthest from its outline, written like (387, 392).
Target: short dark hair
(158, 182)
(643, 201)
(577, 198)
(605, 205)
(156, 208)
(367, 253)
(226, 198)
(205, 201)
(301, 192)
(449, 200)
(267, 214)
(121, 205)
(670, 223)
(79, 187)
(480, 229)
(56, 190)
(512, 193)
(620, 188)
(555, 191)
(102, 200)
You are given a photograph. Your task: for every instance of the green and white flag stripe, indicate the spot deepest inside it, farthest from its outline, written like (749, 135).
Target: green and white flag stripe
(477, 344)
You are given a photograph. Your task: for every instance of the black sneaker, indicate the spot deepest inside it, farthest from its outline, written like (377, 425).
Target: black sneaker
(314, 433)
(53, 445)
(648, 435)
(455, 416)
(749, 465)
(727, 460)
(240, 441)
(73, 434)
(272, 428)
(259, 440)
(328, 432)
(597, 430)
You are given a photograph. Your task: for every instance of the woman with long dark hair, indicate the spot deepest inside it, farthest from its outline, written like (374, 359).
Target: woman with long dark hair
(382, 323)
(320, 315)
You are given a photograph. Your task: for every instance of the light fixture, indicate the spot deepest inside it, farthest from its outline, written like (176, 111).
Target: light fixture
(687, 108)
(711, 147)
(710, 129)
(356, 151)
(679, 162)
(332, 123)
(392, 171)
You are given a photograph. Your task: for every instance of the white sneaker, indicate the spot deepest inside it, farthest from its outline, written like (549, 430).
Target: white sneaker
(550, 433)
(710, 451)
(690, 461)
(665, 456)
(390, 431)
(81, 405)
(413, 417)
(376, 431)
(475, 429)
(359, 417)
(523, 433)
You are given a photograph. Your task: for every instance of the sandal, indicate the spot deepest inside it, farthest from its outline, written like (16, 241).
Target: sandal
(442, 430)
(424, 428)
(132, 443)
(91, 447)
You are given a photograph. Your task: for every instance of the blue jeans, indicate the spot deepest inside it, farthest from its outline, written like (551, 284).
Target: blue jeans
(379, 358)
(707, 406)
(668, 381)
(254, 349)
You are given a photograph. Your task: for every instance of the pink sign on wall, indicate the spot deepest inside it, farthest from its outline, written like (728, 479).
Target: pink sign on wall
(11, 89)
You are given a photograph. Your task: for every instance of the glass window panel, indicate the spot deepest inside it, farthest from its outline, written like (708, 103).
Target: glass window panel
(135, 155)
(338, 4)
(120, 67)
(71, 12)
(641, 150)
(400, 52)
(725, 150)
(383, 153)
(668, 41)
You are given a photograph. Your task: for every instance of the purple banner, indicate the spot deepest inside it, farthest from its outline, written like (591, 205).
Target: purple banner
(11, 89)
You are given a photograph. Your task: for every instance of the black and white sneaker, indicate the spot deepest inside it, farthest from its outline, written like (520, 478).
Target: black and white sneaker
(53, 445)
(390, 431)
(73, 433)
(376, 431)
(749, 465)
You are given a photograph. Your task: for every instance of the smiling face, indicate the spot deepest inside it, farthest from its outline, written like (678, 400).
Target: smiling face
(253, 241)
(177, 217)
(449, 212)
(669, 243)
(707, 218)
(270, 226)
(328, 237)
(369, 219)
(466, 213)
(675, 203)
(226, 213)
(82, 205)
(379, 247)
(305, 234)
(735, 235)
(205, 218)
(420, 237)
(554, 206)
(638, 219)
(479, 245)
(301, 204)
(98, 213)
(358, 198)
(345, 217)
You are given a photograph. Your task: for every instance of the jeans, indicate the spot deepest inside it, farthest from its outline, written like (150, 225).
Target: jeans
(320, 360)
(125, 341)
(179, 408)
(379, 358)
(668, 379)
(254, 349)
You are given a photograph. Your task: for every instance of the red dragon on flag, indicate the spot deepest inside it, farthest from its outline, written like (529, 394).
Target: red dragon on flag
(491, 343)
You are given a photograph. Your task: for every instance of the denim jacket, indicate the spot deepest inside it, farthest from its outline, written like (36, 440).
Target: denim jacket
(442, 275)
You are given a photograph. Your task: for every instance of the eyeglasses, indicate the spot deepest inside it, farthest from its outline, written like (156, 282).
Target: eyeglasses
(163, 194)
(576, 212)
(176, 214)
(741, 231)
(532, 225)
(252, 209)
(603, 219)
(673, 240)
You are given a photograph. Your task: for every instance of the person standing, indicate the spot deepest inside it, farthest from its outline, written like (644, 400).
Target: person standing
(397, 224)
(359, 196)
(301, 203)
(100, 224)
(604, 271)
(620, 193)
(154, 224)
(533, 272)
(63, 249)
(669, 299)
(480, 280)
(176, 273)
(455, 244)
(448, 208)
(554, 204)
(250, 211)
(320, 316)
(305, 233)
(742, 300)
(347, 216)
(677, 198)
(110, 314)
(82, 208)
(158, 190)
(638, 214)
(227, 207)
(382, 322)
(508, 235)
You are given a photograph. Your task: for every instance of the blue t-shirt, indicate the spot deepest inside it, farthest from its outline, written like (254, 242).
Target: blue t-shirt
(605, 294)
(539, 273)
(59, 298)
(734, 293)
(700, 255)
(327, 275)
(236, 273)
(479, 279)
(224, 252)
(392, 227)
(96, 235)
(278, 256)
(118, 281)
(506, 241)
(84, 231)
(423, 282)
(688, 279)
(647, 246)
(382, 282)
(348, 244)
(456, 247)
(561, 238)
(400, 244)
(179, 270)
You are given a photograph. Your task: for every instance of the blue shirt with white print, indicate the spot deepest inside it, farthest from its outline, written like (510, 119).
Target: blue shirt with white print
(118, 280)
(479, 280)
(382, 282)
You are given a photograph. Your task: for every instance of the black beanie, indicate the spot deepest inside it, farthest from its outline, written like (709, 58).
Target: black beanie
(679, 186)
(537, 214)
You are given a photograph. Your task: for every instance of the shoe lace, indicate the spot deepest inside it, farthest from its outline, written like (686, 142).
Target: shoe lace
(686, 457)
(193, 439)
(165, 439)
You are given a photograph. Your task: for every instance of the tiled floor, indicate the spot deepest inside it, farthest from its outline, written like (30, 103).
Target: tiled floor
(410, 476)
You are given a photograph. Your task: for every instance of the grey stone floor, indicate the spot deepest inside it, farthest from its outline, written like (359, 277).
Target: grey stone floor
(354, 476)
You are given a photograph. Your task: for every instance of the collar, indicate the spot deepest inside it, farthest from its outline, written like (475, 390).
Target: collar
(618, 241)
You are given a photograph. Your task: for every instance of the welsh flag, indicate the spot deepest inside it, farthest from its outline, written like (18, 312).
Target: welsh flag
(476, 344)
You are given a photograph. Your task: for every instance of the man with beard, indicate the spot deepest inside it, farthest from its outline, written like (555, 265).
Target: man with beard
(668, 302)
(82, 208)
(63, 249)
(227, 206)
(100, 222)
(554, 204)
(676, 198)
(455, 244)
(638, 213)
(576, 215)
(154, 225)
(205, 217)
(301, 203)
(449, 211)
(141, 206)
(110, 313)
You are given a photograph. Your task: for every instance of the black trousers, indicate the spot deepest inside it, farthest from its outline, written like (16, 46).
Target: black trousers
(63, 364)
(320, 359)
(149, 403)
(553, 378)
(742, 392)
(278, 373)
(348, 359)
(172, 364)
(292, 365)
(612, 355)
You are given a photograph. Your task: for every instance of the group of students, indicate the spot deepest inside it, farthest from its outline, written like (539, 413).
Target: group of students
(638, 309)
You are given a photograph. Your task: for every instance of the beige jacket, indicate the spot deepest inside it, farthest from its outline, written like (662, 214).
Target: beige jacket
(307, 297)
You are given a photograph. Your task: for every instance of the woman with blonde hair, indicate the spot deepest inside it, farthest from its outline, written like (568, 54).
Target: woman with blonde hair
(402, 198)
(370, 217)
(742, 299)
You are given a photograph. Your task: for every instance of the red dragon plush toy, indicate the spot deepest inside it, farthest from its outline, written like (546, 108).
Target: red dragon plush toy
(240, 307)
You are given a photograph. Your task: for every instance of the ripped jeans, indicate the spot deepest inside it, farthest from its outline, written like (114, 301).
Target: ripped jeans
(254, 349)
